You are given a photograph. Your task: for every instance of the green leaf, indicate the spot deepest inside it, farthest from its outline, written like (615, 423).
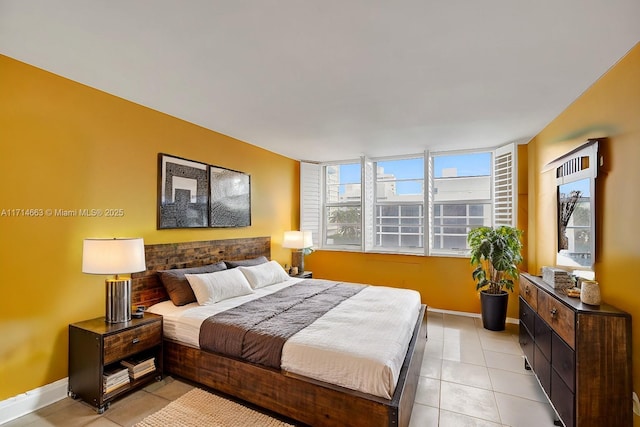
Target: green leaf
(495, 253)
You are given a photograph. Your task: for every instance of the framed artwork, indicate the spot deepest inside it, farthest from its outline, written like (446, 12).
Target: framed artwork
(229, 198)
(183, 193)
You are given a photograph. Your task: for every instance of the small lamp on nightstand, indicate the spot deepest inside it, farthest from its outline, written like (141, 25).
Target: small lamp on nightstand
(300, 240)
(114, 257)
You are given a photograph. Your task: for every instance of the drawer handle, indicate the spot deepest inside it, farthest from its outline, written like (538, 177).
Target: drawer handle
(135, 341)
(553, 311)
(527, 291)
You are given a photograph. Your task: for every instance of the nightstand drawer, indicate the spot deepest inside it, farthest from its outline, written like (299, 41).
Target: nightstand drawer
(126, 343)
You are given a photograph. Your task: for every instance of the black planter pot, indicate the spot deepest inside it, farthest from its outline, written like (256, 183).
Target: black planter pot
(494, 310)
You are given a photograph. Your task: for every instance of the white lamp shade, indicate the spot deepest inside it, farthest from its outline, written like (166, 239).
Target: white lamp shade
(113, 256)
(297, 239)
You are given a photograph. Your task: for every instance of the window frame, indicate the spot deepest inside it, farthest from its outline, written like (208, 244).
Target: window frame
(315, 201)
(325, 205)
(376, 203)
(458, 252)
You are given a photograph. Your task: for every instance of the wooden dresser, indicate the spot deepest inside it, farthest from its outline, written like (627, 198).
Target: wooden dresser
(581, 355)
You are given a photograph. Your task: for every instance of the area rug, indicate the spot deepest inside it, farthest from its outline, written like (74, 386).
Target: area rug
(198, 408)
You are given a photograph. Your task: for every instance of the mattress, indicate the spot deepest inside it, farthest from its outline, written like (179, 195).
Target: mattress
(360, 344)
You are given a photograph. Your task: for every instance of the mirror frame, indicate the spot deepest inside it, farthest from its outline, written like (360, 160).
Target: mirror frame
(579, 164)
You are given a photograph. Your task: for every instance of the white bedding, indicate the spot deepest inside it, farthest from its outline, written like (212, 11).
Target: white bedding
(343, 347)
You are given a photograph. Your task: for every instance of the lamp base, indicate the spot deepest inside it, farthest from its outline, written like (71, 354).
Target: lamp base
(297, 260)
(118, 300)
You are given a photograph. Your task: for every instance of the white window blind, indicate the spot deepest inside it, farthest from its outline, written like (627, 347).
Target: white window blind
(504, 191)
(310, 199)
(428, 161)
(367, 206)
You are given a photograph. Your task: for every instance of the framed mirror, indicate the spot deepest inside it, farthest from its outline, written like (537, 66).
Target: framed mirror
(576, 237)
(576, 174)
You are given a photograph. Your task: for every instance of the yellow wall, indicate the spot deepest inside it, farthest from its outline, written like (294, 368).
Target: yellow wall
(610, 108)
(66, 146)
(443, 282)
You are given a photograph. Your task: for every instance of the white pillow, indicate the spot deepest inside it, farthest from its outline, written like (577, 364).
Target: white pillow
(265, 274)
(210, 288)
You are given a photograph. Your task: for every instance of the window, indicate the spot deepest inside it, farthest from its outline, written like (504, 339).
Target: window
(399, 204)
(342, 207)
(461, 198)
(421, 204)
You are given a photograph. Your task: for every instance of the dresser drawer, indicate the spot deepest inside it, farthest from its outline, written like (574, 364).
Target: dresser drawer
(129, 342)
(560, 317)
(542, 335)
(563, 361)
(542, 368)
(529, 292)
(563, 400)
(527, 344)
(527, 316)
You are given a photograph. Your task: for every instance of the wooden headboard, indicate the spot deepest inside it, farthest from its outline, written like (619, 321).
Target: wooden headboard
(146, 287)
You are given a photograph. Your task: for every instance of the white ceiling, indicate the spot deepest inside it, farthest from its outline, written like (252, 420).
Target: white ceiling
(334, 79)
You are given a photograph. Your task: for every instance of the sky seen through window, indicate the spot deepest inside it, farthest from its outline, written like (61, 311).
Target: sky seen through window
(473, 164)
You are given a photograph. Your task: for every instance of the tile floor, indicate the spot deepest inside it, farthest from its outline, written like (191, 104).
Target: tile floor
(470, 377)
(474, 377)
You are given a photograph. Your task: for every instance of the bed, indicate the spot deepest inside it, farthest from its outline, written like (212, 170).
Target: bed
(300, 395)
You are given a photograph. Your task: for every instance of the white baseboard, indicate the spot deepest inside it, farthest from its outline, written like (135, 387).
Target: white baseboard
(32, 400)
(464, 313)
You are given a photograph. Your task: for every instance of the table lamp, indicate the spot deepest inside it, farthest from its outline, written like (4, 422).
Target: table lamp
(114, 257)
(300, 240)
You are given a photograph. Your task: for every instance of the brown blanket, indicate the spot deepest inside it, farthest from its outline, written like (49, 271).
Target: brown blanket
(257, 330)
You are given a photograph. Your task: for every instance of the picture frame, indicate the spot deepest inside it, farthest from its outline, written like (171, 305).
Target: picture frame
(229, 198)
(183, 193)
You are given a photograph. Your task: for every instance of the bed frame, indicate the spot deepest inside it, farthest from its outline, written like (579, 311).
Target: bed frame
(309, 401)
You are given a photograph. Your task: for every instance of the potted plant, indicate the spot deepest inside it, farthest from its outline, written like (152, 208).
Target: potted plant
(495, 253)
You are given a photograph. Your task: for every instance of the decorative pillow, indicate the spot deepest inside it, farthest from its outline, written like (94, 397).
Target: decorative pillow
(211, 288)
(246, 262)
(265, 274)
(177, 285)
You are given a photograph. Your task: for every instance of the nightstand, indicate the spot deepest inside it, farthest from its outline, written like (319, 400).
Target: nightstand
(97, 348)
(303, 275)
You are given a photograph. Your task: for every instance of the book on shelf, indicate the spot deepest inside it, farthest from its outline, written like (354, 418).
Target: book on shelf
(133, 361)
(138, 374)
(108, 388)
(116, 380)
(139, 366)
(114, 374)
(113, 379)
